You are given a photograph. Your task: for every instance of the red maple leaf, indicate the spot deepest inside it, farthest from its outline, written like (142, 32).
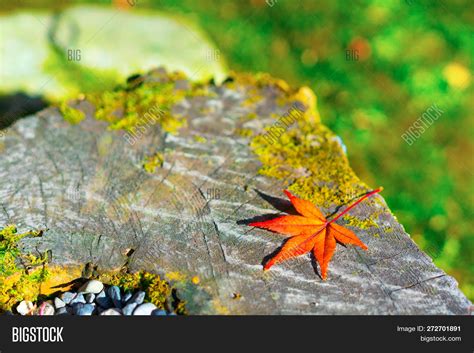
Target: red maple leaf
(310, 231)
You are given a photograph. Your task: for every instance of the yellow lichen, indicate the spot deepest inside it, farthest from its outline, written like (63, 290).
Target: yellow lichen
(199, 139)
(219, 308)
(360, 223)
(152, 162)
(70, 114)
(244, 132)
(176, 276)
(306, 96)
(259, 79)
(60, 278)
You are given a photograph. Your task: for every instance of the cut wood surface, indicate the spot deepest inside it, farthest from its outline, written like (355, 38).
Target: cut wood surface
(86, 186)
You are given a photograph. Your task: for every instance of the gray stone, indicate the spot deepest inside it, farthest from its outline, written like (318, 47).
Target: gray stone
(128, 309)
(92, 286)
(111, 312)
(62, 311)
(67, 297)
(144, 309)
(89, 297)
(79, 298)
(126, 297)
(159, 312)
(114, 293)
(58, 303)
(137, 298)
(85, 310)
(76, 307)
(103, 300)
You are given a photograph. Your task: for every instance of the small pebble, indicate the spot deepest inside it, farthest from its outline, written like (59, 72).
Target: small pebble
(111, 312)
(25, 307)
(126, 297)
(67, 297)
(103, 300)
(93, 286)
(144, 309)
(89, 298)
(114, 293)
(76, 307)
(137, 298)
(159, 312)
(78, 299)
(58, 303)
(45, 309)
(128, 309)
(85, 310)
(62, 311)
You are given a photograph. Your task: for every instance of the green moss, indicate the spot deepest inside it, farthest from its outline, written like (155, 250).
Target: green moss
(72, 115)
(139, 104)
(19, 282)
(152, 162)
(141, 107)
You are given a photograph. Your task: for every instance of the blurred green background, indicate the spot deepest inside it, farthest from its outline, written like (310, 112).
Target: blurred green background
(411, 54)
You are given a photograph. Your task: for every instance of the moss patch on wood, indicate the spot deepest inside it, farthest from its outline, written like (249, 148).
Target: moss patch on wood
(20, 274)
(137, 104)
(151, 163)
(310, 159)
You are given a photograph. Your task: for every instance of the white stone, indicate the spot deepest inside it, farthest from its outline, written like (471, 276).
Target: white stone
(25, 307)
(144, 309)
(111, 312)
(58, 303)
(93, 286)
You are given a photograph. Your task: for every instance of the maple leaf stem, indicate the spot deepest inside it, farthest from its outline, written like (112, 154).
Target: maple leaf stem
(355, 204)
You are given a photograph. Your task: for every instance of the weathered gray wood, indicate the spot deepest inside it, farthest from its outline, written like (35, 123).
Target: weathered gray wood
(86, 185)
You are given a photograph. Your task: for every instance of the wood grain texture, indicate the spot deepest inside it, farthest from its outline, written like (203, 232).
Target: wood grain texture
(86, 185)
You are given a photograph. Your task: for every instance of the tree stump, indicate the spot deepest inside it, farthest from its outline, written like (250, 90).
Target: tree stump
(86, 186)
